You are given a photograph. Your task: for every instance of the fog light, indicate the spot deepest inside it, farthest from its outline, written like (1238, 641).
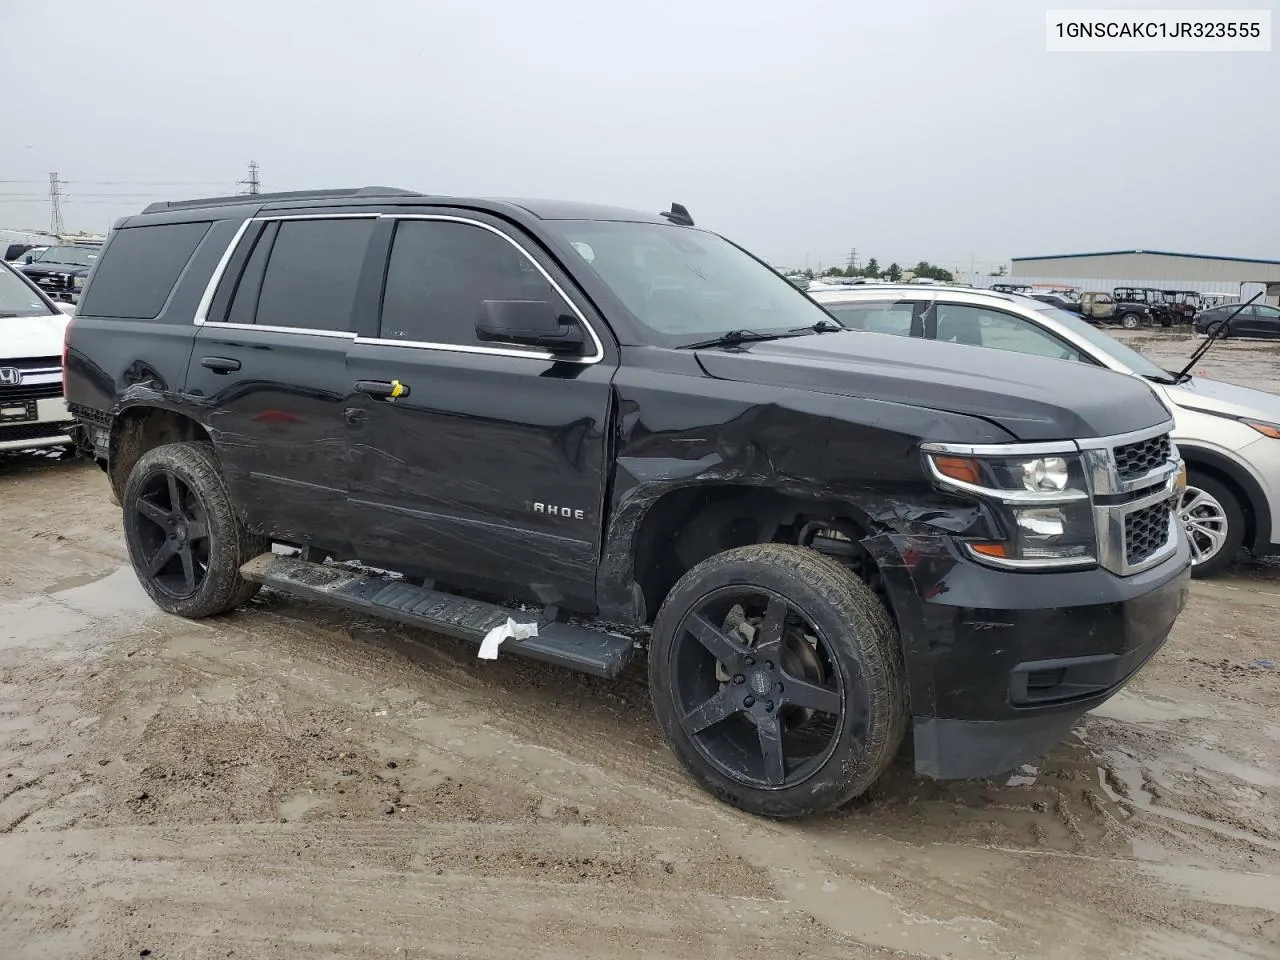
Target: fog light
(1045, 473)
(1042, 523)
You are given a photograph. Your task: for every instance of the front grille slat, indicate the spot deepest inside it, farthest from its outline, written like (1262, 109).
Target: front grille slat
(29, 391)
(34, 431)
(1146, 532)
(1134, 460)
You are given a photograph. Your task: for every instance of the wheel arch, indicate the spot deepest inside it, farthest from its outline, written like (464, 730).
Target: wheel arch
(1253, 500)
(141, 426)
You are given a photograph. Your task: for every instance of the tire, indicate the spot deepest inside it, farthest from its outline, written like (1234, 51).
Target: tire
(203, 543)
(1207, 505)
(1130, 321)
(839, 690)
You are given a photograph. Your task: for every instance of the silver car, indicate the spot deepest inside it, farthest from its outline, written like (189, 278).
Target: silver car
(1228, 435)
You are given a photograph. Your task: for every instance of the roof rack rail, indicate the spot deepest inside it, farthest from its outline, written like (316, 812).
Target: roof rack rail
(239, 198)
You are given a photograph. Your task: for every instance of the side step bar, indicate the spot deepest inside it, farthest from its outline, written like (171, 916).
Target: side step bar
(578, 648)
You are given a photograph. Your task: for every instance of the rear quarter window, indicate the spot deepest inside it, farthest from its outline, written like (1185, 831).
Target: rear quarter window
(139, 269)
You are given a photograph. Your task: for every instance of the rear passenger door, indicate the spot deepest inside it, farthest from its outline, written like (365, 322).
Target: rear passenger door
(490, 471)
(270, 363)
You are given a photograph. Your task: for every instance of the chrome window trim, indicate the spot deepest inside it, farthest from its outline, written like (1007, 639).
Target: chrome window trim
(594, 357)
(206, 299)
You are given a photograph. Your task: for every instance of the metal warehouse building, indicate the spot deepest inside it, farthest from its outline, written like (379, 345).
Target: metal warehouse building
(1152, 268)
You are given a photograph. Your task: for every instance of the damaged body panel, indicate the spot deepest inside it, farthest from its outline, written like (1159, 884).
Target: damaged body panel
(488, 398)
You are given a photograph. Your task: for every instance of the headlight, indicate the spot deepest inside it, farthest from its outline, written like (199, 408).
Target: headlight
(77, 283)
(1040, 502)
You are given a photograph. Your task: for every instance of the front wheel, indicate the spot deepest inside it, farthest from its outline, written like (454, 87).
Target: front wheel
(185, 540)
(776, 676)
(1211, 514)
(1130, 321)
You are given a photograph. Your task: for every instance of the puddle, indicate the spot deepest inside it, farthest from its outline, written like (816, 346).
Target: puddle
(1259, 891)
(1220, 763)
(1131, 775)
(104, 595)
(38, 622)
(1130, 707)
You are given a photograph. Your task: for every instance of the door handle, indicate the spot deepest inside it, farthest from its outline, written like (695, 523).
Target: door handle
(220, 364)
(382, 389)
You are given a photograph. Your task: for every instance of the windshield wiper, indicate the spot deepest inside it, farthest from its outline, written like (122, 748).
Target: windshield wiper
(822, 326)
(734, 337)
(1215, 334)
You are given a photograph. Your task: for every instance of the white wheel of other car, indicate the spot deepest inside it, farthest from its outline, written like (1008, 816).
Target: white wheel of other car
(1205, 521)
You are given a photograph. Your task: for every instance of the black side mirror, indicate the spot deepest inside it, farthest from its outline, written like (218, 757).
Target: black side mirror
(532, 323)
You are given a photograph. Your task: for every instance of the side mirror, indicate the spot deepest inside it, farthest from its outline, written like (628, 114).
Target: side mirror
(28, 259)
(531, 323)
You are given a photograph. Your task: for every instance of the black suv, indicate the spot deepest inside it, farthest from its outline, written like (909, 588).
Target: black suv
(616, 430)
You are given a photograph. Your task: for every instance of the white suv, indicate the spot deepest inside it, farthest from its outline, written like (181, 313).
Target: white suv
(1228, 435)
(32, 411)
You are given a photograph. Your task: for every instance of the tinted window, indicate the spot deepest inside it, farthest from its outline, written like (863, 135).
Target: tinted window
(892, 318)
(981, 327)
(441, 271)
(312, 274)
(244, 302)
(1266, 313)
(139, 269)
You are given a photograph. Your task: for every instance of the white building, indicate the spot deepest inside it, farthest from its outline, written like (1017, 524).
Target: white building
(1151, 268)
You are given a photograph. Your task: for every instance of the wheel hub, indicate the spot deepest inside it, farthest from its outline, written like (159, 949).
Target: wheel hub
(761, 682)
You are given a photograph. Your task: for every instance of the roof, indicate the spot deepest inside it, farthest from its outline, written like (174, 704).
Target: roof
(542, 209)
(1152, 253)
(923, 291)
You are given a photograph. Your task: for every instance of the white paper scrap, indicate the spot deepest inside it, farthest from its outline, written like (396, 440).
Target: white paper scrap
(508, 631)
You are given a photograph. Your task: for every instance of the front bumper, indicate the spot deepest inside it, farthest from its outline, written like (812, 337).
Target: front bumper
(49, 429)
(1001, 664)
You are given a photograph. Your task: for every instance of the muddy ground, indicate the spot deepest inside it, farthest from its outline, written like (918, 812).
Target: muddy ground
(291, 781)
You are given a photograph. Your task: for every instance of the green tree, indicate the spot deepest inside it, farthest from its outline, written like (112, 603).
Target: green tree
(926, 269)
(834, 272)
(894, 272)
(872, 269)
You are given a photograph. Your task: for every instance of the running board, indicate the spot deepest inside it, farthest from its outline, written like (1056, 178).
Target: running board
(578, 648)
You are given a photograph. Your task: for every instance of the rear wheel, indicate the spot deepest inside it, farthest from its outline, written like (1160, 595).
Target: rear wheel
(776, 676)
(1211, 514)
(1130, 321)
(185, 540)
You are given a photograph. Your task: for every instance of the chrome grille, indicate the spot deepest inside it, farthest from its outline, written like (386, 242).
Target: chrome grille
(1134, 460)
(1146, 531)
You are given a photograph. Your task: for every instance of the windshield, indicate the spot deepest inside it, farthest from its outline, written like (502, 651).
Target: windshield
(684, 284)
(1107, 344)
(17, 299)
(75, 256)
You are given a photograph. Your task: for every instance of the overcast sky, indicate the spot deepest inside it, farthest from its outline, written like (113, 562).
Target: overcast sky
(907, 130)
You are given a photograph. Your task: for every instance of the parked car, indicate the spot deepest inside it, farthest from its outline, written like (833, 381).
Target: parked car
(32, 411)
(619, 418)
(1061, 301)
(1011, 287)
(15, 251)
(1229, 436)
(1257, 320)
(1183, 303)
(1098, 308)
(60, 271)
(1141, 306)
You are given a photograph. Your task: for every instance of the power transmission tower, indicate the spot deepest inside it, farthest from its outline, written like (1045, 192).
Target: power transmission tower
(253, 183)
(55, 204)
(853, 259)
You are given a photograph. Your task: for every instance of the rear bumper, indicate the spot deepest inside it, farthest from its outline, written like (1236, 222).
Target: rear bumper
(1002, 665)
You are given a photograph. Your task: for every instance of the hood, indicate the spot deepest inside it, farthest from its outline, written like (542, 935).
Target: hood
(1032, 398)
(1215, 396)
(31, 336)
(43, 268)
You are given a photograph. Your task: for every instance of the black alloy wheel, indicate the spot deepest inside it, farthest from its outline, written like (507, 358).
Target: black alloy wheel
(173, 531)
